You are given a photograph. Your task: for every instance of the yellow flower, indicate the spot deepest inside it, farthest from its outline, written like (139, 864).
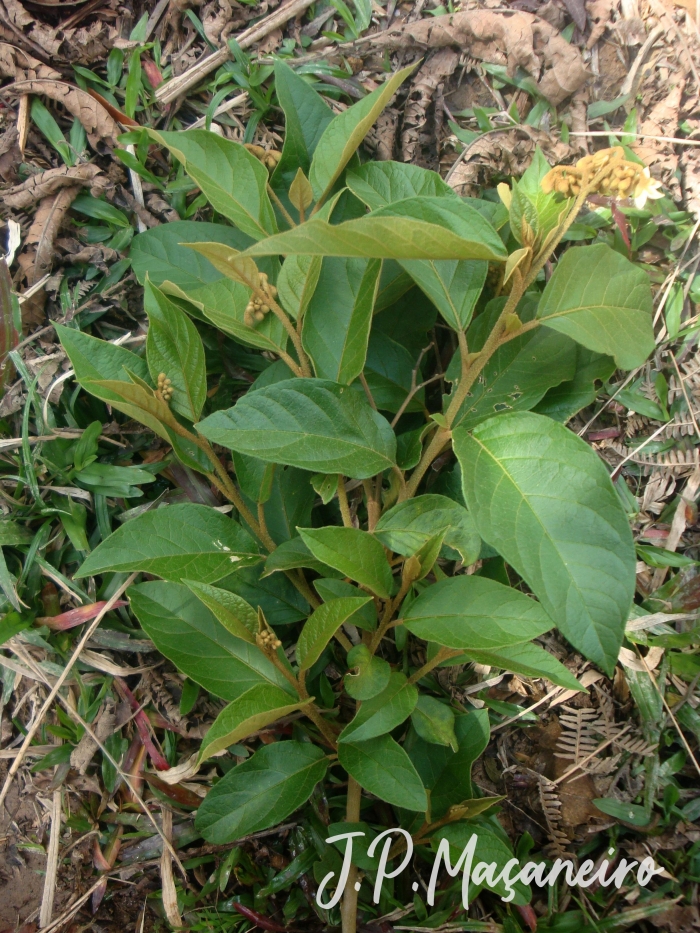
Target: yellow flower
(646, 188)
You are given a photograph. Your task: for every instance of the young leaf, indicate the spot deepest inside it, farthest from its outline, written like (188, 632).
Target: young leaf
(174, 347)
(365, 618)
(382, 183)
(544, 500)
(306, 115)
(383, 712)
(187, 633)
(339, 316)
(355, 553)
(368, 674)
(233, 181)
(408, 526)
(434, 722)
(453, 286)
(322, 625)
(261, 791)
(603, 301)
(158, 253)
(529, 660)
(300, 193)
(384, 769)
(176, 542)
(253, 710)
(309, 423)
(346, 131)
(297, 283)
(473, 612)
(417, 228)
(234, 613)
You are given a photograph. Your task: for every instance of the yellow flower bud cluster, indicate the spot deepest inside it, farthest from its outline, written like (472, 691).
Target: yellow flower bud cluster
(165, 387)
(258, 306)
(268, 157)
(267, 641)
(606, 172)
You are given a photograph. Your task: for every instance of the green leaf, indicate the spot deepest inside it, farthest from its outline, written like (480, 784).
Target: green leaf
(417, 228)
(530, 660)
(453, 783)
(382, 183)
(365, 618)
(434, 722)
(223, 304)
(309, 423)
(322, 625)
(453, 286)
(294, 553)
(94, 360)
(158, 253)
(175, 542)
(233, 181)
(384, 769)
(189, 635)
(355, 553)
(346, 131)
(12, 624)
(368, 674)
(235, 614)
(174, 347)
(544, 500)
(339, 317)
(306, 115)
(625, 812)
(138, 400)
(519, 372)
(297, 283)
(388, 370)
(12, 533)
(383, 712)
(473, 612)
(253, 710)
(603, 301)
(562, 402)
(407, 526)
(261, 792)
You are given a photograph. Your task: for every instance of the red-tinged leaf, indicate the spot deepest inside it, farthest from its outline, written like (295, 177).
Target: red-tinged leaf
(181, 795)
(258, 919)
(113, 111)
(621, 224)
(73, 617)
(528, 915)
(143, 725)
(152, 72)
(98, 894)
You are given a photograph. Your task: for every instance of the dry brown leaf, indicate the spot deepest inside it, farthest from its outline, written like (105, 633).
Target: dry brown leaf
(432, 74)
(382, 137)
(600, 11)
(504, 39)
(99, 125)
(18, 65)
(10, 155)
(48, 183)
(662, 120)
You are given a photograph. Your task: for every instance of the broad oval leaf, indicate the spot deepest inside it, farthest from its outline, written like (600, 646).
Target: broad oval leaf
(409, 525)
(453, 286)
(382, 183)
(176, 542)
(368, 674)
(174, 348)
(322, 625)
(544, 500)
(384, 769)
(294, 553)
(233, 181)
(417, 228)
(365, 618)
(603, 301)
(530, 660)
(345, 132)
(383, 712)
(309, 423)
(355, 553)
(297, 283)
(158, 253)
(253, 710)
(475, 612)
(434, 722)
(97, 360)
(261, 791)
(188, 634)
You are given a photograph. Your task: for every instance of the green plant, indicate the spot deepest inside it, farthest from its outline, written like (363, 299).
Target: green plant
(362, 486)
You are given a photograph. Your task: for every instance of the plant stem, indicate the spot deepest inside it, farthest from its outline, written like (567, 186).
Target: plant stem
(314, 713)
(348, 908)
(442, 655)
(293, 335)
(343, 502)
(439, 439)
(280, 206)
